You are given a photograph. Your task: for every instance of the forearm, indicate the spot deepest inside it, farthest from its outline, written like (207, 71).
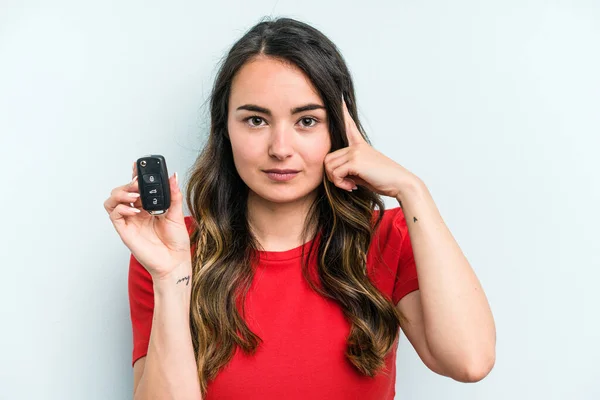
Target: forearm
(170, 371)
(459, 326)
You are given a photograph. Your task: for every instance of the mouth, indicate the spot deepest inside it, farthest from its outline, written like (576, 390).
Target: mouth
(281, 175)
(281, 171)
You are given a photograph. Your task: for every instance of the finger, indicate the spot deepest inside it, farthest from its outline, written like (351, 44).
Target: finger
(134, 170)
(340, 177)
(121, 197)
(120, 194)
(131, 198)
(175, 211)
(352, 131)
(134, 187)
(361, 182)
(336, 162)
(119, 214)
(339, 181)
(335, 155)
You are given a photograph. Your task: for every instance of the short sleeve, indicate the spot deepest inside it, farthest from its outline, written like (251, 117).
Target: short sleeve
(141, 306)
(406, 274)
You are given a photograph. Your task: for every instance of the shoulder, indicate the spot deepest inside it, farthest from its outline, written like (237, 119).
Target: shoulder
(389, 260)
(385, 249)
(387, 237)
(392, 225)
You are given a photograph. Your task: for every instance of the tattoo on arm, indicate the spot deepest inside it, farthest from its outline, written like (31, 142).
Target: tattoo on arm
(414, 218)
(186, 279)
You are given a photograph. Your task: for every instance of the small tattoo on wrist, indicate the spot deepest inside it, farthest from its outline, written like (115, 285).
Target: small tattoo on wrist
(186, 279)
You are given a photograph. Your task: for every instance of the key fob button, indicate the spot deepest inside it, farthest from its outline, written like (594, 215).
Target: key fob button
(156, 201)
(153, 190)
(151, 178)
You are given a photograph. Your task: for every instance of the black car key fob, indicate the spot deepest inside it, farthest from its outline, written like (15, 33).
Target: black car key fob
(153, 182)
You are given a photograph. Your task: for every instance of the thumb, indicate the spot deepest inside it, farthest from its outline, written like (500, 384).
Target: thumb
(175, 212)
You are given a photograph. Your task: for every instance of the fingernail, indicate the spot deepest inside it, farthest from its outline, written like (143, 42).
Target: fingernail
(135, 210)
(133, 195)
(355, 187)
(176, 180)
(134, 179)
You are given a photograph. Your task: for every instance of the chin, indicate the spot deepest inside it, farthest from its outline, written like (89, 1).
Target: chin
(280, 195)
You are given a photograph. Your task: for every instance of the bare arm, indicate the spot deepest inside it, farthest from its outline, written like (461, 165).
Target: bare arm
(169, 369)
(452, 327)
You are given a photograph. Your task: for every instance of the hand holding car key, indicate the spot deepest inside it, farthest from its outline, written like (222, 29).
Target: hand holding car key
(158, 238)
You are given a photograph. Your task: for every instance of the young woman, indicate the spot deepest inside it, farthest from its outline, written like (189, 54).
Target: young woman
(290, 279)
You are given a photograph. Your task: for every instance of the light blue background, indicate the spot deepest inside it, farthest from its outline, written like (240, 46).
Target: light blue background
(495, 105)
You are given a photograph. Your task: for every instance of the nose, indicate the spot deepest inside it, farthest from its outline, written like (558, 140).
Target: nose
(281, 145)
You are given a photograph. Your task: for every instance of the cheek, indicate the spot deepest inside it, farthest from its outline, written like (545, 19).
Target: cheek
(243, 150)
(314, 153)
(315, 159)
(242, 153)
(246, 162)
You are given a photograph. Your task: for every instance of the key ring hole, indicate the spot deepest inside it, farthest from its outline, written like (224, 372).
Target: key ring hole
(143, 163)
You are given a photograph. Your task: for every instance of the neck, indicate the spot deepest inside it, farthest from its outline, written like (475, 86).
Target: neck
(278, 226)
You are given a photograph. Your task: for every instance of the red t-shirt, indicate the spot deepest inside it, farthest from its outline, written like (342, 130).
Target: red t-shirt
(304, 334)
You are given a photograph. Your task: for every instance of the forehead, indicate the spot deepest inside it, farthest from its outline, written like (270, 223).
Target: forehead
(270, 81)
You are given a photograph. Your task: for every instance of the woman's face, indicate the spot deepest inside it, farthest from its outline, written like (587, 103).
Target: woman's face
(276, 120)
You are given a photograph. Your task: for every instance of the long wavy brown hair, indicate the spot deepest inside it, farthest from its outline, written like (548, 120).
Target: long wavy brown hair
(223, 244)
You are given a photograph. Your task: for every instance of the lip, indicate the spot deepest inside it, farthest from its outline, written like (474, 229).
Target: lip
(281, 171)
(281, 177)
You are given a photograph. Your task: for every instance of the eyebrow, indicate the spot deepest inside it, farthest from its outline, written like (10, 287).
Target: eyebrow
(307, 107)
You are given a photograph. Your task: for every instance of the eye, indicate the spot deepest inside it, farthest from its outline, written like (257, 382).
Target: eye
(253, 118)
(304, 119)
(254, 121)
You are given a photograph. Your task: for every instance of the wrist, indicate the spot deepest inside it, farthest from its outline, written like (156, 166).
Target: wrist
(409, 189)
(178, 278)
